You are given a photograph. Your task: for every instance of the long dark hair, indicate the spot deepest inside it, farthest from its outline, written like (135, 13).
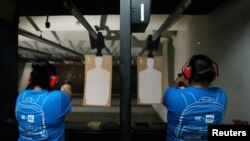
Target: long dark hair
(202, 69)
(41, 74)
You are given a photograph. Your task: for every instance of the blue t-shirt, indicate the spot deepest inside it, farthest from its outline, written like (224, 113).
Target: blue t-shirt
(191, 109)
(41, 113)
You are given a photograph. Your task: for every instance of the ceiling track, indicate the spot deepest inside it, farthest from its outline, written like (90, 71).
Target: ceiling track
(73, 9)
(172, 18)
(34, 51)
(48, 42)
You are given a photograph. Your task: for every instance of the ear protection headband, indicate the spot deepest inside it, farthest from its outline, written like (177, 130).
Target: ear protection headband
(187, 70)
(52, 83)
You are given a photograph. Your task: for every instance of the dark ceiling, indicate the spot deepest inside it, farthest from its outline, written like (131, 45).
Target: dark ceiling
(102, 7)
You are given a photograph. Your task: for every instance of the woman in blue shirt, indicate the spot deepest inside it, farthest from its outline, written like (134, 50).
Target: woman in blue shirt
(40, 110)
(193, 108)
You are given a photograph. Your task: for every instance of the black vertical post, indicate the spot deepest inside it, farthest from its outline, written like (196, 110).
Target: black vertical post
(125, 67)
(8, 66)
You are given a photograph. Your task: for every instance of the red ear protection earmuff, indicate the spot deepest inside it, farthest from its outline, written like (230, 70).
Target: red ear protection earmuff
(52, 83)
(186, 71)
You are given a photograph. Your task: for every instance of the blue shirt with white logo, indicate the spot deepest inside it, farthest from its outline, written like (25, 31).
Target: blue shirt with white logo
(191, 109)
(41, 113)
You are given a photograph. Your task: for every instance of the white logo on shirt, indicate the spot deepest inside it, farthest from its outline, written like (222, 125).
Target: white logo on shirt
(198, 118)
(31, 118)
(209, 119)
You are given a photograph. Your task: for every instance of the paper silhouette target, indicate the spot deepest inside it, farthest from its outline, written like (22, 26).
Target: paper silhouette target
(149, 72)
(98, 76)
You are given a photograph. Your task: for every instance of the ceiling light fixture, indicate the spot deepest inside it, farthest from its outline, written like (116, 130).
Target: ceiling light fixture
(47, 23)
